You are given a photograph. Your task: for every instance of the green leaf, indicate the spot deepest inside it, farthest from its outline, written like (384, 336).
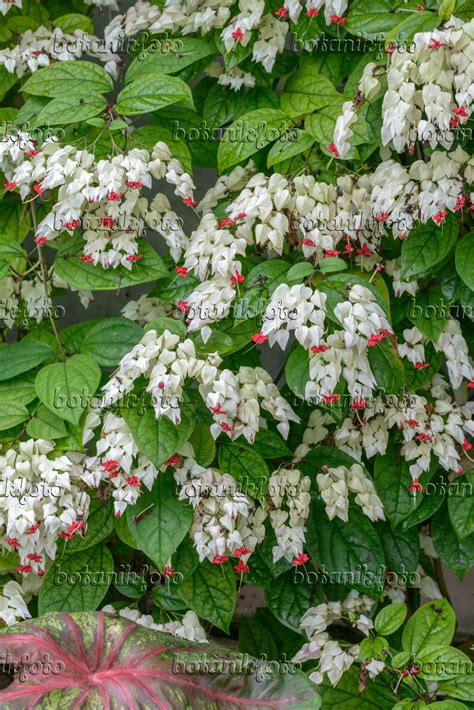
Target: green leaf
(250, 133)
(81, 274)
(347, 696)
(71, 109)
(464, 260)
(21, 357)
(151, 94)
(61, 79)
(456, 554)
(74, 21)
(246, 466)
(12, 414)
(461, 688)
(211, 592)
(401, 549)
(331, 265)
(373, 648)
(442, 663)
(289, 600)
(256, 640)
(156, 438)
(14, 225)
(166, 521)
(461, 509)
(7, 80)
(155, 61)
(46, 425)
(390, 618)
(428, 245)
(300, 271)
(77, 582)
(297, 371)
(392, 479)
(372, 21)
(431, 625)
(411, 24)
(428, 313)
(65, 388)
(306, 91)
(387, 367)
(19, 389)
(295, 142)
(343, 548)
(203, 444)
(108, 341)
(99, 525)
(270, 445)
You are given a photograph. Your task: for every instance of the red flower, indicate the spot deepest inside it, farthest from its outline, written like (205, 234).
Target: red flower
(379, 268)
(242, 551)
(374, 339)
(331, 252)
(238, 35)
(330, 398)
(226, 223)
(87, 258)
(421, 365)
(134, 257)
(415, 485)
(382, 217)
(13, 542)
(470, 384)
(466, 446)
(34, 557)
(217, 409)
(237, 278)
(423, 436)
(226, 427)
(40, 241)
(460, 111)
(364, 251)
(183, 306)
(332, 149)
(175, 461)
(38, 188)
(75, 526)
(391, 48)
(107, 222)
(112, 196)
(435, 44)
(241, 215)
(134, 184)
(31, 153)
(301, 559)
(241, 567)
(112, 467)
(439, 216)
(282, 12)
(9, 185)
(348, 249)
(33, 529)
(358, 404)
(338, 20)
(412, 423)
(460, 202)
(259, 338)
(134, 481)
(319, 348)
(308, 243)
(168, 571)
(219, 560)
(189, 201)
(312, 12)
(73, 224)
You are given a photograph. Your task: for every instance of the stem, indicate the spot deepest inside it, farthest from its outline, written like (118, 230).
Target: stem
(47, 293)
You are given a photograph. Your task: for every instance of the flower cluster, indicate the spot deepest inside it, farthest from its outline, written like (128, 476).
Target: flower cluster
(226, 523)
(41, 502)
(335, 485)
(290, 498)
(333, 659)
(186, 628)
(100, 197)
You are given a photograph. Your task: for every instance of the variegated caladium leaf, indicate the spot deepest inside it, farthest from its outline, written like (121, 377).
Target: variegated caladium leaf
(97, 661)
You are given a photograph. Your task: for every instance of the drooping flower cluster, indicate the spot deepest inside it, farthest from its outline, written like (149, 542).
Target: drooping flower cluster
(289, 493)
(117, 462)
(227, 523)
(188, 627)
(12, 604)
(429, 90)
(41, 502)
(38, 48)
(335, 484)
(100, 197)
(333, 659)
